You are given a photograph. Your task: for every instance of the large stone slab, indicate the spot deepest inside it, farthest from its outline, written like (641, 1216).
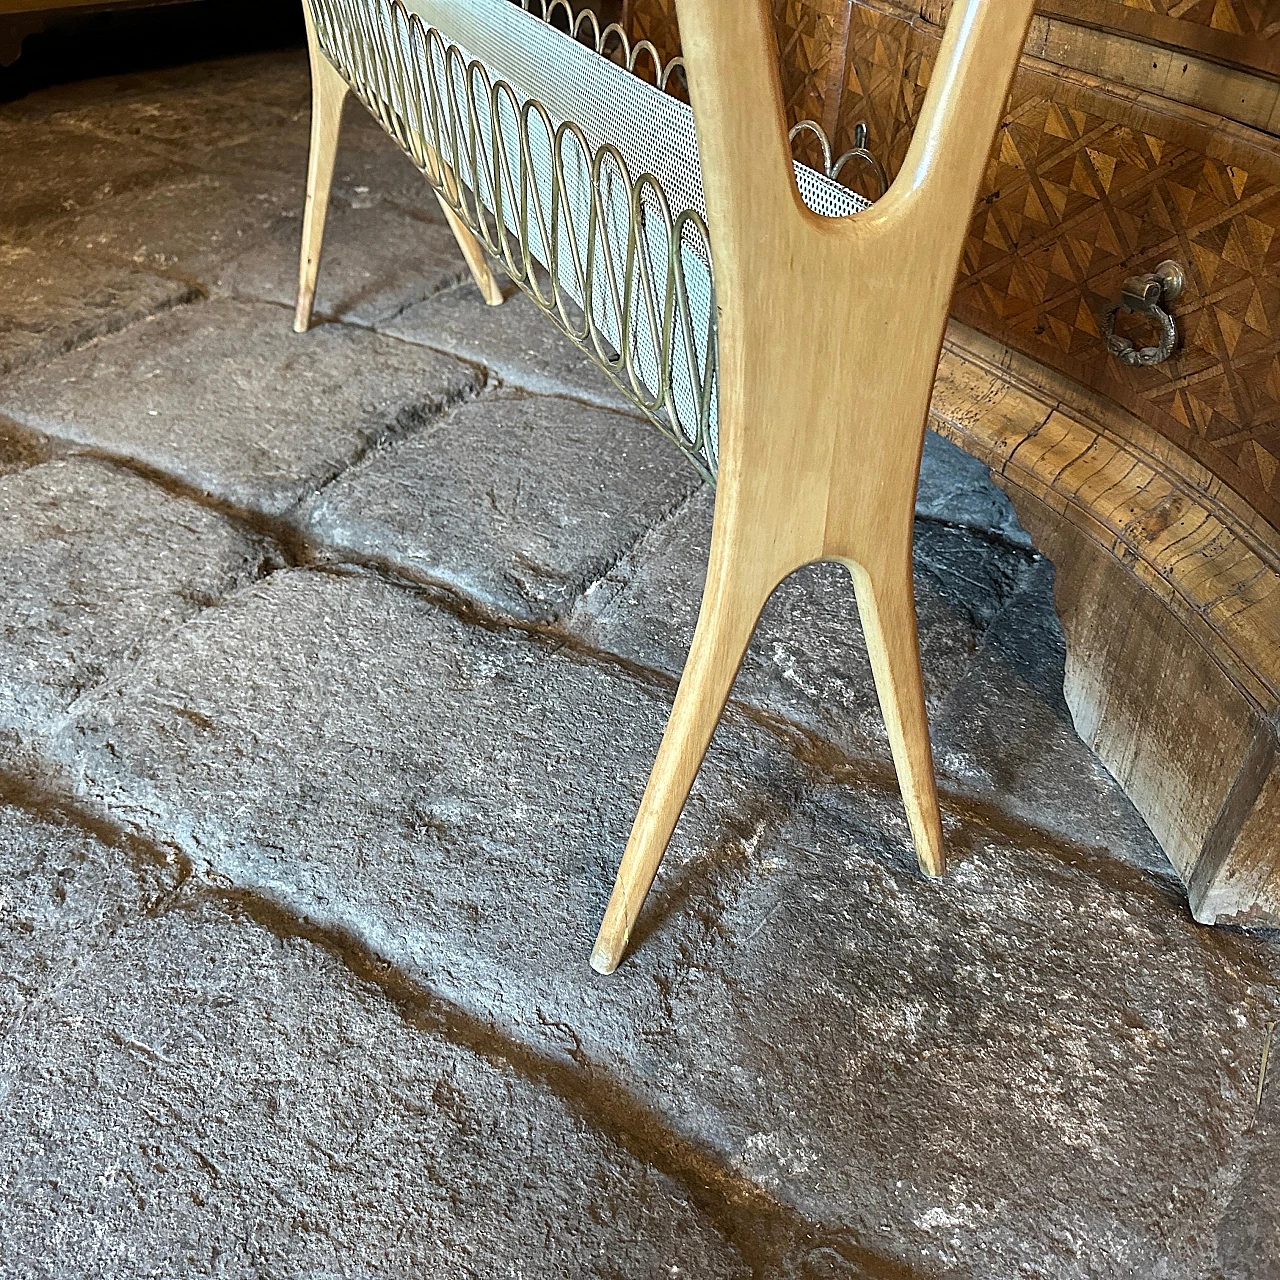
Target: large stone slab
(1036, 1065)
(203, 1097)
(517, 503)
(459, 734)
(970, 1076)
(377, 261)
(222, 216)
(515, 342)
(807, 661)
(19, 449)
(52, 301)
(1249, 1234)
(1003, 735)
(96, 564)
(62, 894)
(53, 173)
(228, 400)
(956, 489)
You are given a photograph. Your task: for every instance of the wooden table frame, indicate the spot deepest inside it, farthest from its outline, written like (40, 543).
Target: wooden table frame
(820, 439)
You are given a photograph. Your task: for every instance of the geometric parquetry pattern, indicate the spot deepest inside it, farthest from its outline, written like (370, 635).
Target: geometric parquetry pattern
(1077, 200)
(1084, 189)
(1237, 17)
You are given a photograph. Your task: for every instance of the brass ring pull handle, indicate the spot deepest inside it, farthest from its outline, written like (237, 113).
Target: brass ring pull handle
(1144, 295)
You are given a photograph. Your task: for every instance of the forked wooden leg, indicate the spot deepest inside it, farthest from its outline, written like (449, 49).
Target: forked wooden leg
(481, 272)
(731, 607)
(328, 93)
(887, 609)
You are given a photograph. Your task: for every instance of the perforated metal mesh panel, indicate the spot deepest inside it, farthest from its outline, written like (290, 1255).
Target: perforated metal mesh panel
(581, 177)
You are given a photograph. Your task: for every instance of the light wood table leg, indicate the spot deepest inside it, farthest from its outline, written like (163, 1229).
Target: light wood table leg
(474, 253)
(731, 603)
(328, 94)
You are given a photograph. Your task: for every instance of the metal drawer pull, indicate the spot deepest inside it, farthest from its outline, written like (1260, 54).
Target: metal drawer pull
(1144, 295)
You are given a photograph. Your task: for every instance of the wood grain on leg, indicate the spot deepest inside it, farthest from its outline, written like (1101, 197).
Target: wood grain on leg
(888, 617)
(328, 94)
(829, 336)
(472, 251)
(735, 593)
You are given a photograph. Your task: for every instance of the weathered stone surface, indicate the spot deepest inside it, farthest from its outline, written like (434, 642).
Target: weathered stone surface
(1036, 1065)
(53, 172)
(97, 563)
(202, 1098)
(1249, 1235)
(517, 503)
(1004, 736)
(515, 341)
(971, 1076)
(222, 216)
(227, 399)
(62, 893)
(377, 261)
(957, 489)
(388, 715)
(19, 448)
(807, 660)
(53, 301)
(280, 79)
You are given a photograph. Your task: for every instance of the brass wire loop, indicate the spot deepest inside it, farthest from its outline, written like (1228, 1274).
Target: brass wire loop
(598, 248)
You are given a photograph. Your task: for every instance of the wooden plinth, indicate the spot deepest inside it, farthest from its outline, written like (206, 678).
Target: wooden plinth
(1168, 586)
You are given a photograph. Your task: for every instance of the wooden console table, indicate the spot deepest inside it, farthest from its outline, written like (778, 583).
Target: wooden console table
(1133, 136)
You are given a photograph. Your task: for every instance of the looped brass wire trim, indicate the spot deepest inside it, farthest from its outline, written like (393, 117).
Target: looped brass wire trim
(598, 247)
(601, 253)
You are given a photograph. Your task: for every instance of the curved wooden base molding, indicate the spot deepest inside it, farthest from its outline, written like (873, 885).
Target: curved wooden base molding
(1168, 586)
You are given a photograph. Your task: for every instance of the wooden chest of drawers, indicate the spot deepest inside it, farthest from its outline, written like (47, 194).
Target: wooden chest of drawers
(1134, 134)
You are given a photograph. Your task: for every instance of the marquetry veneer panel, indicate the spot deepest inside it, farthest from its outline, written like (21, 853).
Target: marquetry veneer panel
(1090, 183)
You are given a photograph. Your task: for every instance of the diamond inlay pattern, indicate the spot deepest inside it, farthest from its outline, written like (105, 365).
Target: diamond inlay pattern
(1084, 189)
(1237, 17)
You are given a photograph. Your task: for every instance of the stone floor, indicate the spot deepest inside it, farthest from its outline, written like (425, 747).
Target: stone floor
(331, 668)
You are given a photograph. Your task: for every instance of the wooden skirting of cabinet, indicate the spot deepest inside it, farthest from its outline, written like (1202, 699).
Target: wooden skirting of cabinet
(1168, 587)
(1240, 33)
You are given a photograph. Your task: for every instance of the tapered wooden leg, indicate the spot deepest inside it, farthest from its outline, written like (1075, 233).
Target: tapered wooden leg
(887, 608)
(471, 248)
(731, 607)
(328, 93)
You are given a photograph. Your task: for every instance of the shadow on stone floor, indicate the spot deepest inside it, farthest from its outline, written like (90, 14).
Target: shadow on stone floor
(331, 668)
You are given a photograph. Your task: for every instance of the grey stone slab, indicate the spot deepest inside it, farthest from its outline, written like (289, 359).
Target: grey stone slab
(957, 489)
(97, 563)
(807, 661)
(52, 301)
(1036, 1065)
(239, 131)
(518, 503)
(227, 399)
(54, 173)
(497, 760)
(515, 342)
(1004, 736)
(188, 227)
(185, 122)
(1249, 1234)
(990, 1074)
(62, 894)
(20, 449)
(377, 261)
(278, 78)
(204, 1098)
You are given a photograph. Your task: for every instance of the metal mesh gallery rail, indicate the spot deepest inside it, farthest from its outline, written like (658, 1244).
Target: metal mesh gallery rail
(578, 175)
